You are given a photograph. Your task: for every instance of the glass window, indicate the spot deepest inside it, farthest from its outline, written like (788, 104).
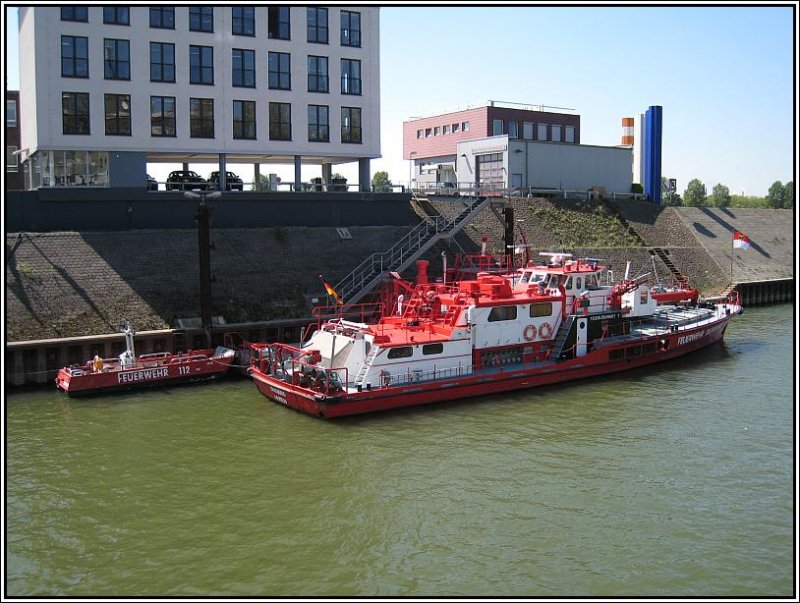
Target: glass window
(541, 309)
(556, 132)
(244, 119)
(162, 17)
(280, 121)
(465, 126)
(317, 25)
(436, 130)
(499, 313)
(12, 159)
(527, 130)
(75, 13)
(318, 126)
(446, 129)
(243, 68)
(201, 65)
(116, 15)
(278, 25)
(280, 75)
(428, 132)
(118, 114)
(351, 76)
(11, 113)
(455, 128)
(162, 116)
(162, 62)
(74, 56)
(75, 112)
(497, 127)
(201, 18)
(201, 117)
(541, 131)
(117, 59)
(420, 133)
(513, 129)
(351, 28)
(404, 352)
(244, 21)
(351, 124)
(317, 74)
(569, 133)
(432, 348)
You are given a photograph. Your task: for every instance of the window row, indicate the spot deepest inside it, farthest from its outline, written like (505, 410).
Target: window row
(445, 129)
(117, 65)
(163, 118)
(512, 129)
(243, 21)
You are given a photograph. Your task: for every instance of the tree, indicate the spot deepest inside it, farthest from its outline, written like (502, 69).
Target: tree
(381, 182)
(788, 195)
(695, 194)
(721, 196)
(775, 195)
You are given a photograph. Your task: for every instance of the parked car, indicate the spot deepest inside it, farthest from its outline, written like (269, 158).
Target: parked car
(152, 184)
(185, 180)
(232, 181)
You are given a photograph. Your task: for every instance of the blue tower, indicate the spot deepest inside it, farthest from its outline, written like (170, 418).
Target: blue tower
(652, 154)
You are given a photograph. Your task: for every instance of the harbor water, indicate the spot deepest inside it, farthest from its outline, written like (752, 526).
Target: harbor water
(670, 481)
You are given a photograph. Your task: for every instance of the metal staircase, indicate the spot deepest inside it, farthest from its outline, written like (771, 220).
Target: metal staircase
(561, 338)
(367, 364)
(664, 255)
(400, 255)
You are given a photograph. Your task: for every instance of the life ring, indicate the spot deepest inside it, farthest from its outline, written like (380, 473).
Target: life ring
(545, 331)
(529, 333)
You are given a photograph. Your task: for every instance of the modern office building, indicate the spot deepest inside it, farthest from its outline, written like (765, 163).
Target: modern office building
(13, 176)
(496, 147)
(109, 89)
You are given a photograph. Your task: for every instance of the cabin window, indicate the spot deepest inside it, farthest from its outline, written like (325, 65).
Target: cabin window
(404, 352)
(503, 313)
(432, 348)
(591, 282)
(633, 351)
(578, 282)
(568, 285)
(542, 309)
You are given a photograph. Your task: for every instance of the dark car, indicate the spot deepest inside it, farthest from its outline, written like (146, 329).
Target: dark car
(185, 180)
(152, 184)
(232, 181)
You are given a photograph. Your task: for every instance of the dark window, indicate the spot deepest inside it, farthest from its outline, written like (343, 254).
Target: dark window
(278, 23)
(280, 76)
(280, 121)
(244, 20)
(497, 127)
(163, 18)
(201, 117)
(351, 124)
(74, 56)
(116, 15)
(432, 348)
(201, 18)
(633, 351)
(162, 62)
(201, 65)
(75, 13)
(162, 116)
(318, 126)
(617, 354)
(317, 21)
(118, 115)
(243, 68)
(75, 112)
(351, 76)
(513, 129)
(404, 352)
(541, 309)
(351, 28)
(317, 74)
(499, 313)
(244, 119)
(117, 59)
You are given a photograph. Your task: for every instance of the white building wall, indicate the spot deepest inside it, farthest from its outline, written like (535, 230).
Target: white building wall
(41, 29)
(579, 167)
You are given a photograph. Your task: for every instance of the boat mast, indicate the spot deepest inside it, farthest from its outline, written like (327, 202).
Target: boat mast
(129, 333)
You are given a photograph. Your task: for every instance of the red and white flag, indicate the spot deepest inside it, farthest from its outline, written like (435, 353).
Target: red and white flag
(740, 240)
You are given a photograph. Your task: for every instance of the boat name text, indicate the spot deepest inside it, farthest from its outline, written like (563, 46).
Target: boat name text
(145, 375)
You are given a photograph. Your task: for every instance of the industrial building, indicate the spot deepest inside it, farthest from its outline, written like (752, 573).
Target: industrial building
(13, 175)
(110, 89)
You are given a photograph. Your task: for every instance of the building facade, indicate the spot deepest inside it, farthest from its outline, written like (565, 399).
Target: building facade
(113, 88)
(13, 175)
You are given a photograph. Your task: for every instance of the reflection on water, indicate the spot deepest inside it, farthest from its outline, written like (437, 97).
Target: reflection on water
(673, 482)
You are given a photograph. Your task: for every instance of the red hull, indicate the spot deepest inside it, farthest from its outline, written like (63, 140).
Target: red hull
(173, 371)
(593, 364)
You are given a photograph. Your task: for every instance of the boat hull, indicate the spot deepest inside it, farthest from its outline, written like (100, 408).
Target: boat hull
(594, 363)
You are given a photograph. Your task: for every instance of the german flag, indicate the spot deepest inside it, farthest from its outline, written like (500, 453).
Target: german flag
(331, 291)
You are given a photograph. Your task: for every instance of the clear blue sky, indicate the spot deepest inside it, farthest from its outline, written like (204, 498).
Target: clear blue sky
(724, 76)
